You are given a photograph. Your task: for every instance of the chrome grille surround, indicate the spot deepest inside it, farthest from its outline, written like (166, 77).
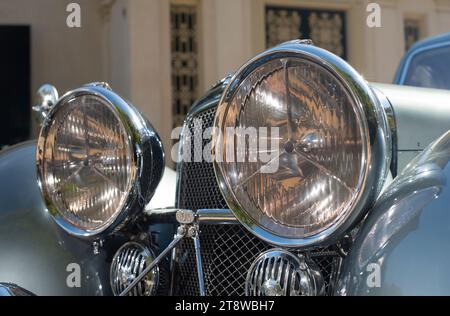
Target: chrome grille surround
(128, 262)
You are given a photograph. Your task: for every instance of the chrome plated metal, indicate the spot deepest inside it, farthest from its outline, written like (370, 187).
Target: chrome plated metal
(99, 84)
(147, 160)
(97, 245)
(391, 130)
(173, 264)
(216, 217)
(198, 257)
(375, 141)
(128, 262)
(162, 212)
(203, 216)
(178, 237)
(185, 216)
(278, 272)
(189, 230)
(307, 41)
(46, 97)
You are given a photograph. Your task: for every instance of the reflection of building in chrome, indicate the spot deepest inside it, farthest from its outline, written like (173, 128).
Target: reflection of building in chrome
(164, 54)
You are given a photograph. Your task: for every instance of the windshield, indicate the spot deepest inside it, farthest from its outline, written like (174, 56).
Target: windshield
(430, 69)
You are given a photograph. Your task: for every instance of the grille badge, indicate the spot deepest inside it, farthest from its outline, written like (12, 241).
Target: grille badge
(278, 272)
(185, 216)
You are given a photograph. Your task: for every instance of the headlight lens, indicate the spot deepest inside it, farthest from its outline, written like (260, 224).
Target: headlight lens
(88, 167)
(318, 169)
(91, 150)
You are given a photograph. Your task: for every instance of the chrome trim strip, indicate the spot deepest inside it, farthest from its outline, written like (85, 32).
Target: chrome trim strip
(216, 216)
(203, 216)
(392, 127)
(198, 259)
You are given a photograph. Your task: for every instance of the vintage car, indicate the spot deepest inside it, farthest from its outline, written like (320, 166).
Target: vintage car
(425, 64)
(348, 194)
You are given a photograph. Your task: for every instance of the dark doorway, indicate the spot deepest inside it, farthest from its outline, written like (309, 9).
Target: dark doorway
(14, 84)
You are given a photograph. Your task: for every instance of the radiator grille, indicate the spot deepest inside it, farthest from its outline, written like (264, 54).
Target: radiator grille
(198, 188)
(228, 252)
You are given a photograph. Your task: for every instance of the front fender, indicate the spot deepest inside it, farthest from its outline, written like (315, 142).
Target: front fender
(35, 253)
(403, 247)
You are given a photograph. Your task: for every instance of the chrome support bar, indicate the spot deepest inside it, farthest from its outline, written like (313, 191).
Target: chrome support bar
(178, 237)
(203, 216)
(216, 216)
(188, 228)
(198, 258)
(173, 264)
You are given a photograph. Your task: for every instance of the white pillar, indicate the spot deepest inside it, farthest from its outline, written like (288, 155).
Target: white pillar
(140, 62)
(225, 36)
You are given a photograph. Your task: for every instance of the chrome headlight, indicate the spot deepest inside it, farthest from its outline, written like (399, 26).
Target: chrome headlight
(331, 149)
(99, 161)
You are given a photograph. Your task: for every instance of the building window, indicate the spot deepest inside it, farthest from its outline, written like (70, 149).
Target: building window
(412, 31)
(326, 28)
(184, 49)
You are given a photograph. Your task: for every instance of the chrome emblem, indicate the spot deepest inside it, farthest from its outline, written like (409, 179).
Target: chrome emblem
(185, 216)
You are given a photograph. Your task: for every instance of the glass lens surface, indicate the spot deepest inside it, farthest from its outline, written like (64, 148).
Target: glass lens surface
(302, 171)
(87, 163)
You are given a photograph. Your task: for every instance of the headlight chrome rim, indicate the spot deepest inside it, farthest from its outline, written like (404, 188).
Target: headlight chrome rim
(376, 141)
(147, 160)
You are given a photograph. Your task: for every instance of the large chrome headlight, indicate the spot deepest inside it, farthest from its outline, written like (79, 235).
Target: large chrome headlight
(331, 147)
(99, 161)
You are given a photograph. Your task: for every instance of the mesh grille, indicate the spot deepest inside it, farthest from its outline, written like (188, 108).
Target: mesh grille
(198, 188)
(227, 250)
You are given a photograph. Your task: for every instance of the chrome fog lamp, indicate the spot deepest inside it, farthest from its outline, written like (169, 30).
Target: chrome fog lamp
(277, 272)
(128, 262)
(99, 161)
(332, 155)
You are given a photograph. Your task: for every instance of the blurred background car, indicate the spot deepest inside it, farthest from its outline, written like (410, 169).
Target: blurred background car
(426, 64)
